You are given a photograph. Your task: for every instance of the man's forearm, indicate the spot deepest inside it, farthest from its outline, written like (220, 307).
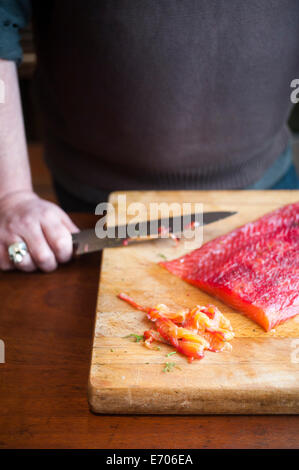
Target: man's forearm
(14, 166)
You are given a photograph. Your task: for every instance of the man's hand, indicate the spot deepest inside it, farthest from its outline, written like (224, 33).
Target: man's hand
(44, 227)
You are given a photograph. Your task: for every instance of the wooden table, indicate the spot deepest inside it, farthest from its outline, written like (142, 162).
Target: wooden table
(46, 321)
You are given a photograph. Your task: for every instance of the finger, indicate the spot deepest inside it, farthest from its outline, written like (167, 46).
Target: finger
(59, 239)
(26, 264)
(38, 247)
(69, 223)
(5, 262)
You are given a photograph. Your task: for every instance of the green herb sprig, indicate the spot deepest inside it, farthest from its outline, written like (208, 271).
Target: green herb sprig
(169, 366)
(138, 338)
(171, 353)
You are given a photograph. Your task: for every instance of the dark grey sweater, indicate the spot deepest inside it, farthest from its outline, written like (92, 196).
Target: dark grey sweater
(164, 93)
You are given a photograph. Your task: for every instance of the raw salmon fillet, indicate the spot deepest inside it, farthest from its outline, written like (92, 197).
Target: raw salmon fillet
(254, 268)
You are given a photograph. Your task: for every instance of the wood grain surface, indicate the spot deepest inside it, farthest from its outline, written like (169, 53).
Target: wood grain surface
(46, 321)
(260, 375)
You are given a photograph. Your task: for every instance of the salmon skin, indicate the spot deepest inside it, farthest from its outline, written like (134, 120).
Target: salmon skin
(254, 268)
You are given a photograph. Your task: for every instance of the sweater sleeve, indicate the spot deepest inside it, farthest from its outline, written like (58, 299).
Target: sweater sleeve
(14, 14)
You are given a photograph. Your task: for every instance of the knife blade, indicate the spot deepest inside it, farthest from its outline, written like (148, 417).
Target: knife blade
(86, 241)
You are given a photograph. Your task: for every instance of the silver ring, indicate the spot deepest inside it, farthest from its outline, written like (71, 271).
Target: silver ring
(17, 251)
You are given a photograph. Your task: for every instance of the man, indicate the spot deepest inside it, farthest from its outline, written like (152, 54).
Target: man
(164, 94)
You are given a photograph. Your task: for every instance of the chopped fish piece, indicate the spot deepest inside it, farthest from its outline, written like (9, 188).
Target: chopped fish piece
(190, 332)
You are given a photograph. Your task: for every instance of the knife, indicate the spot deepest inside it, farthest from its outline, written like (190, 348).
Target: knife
(86, 241)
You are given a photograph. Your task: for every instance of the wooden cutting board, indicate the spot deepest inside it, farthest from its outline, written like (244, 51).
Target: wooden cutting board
(260, 375)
